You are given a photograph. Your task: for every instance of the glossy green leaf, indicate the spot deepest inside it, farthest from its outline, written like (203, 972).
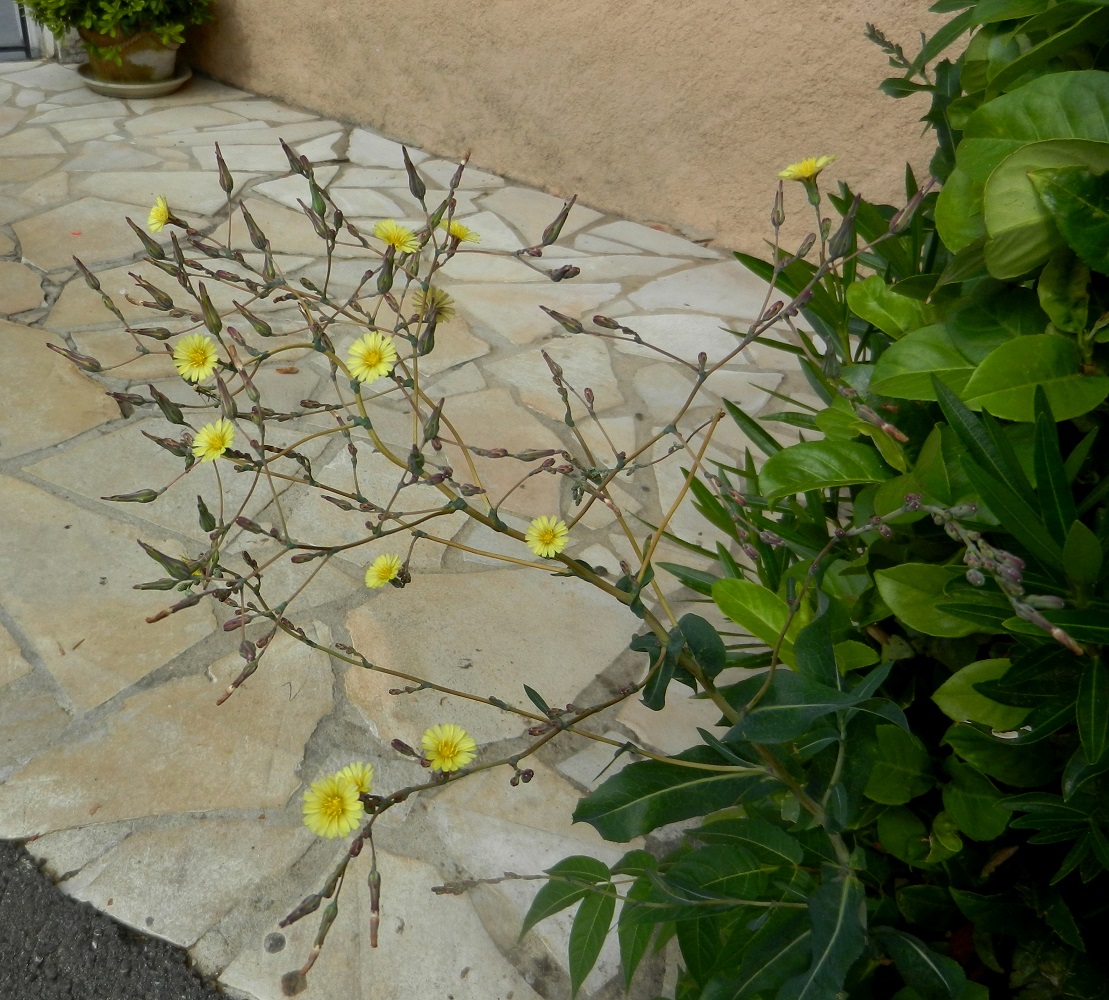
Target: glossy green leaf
(928, 906)
(1082, 556)
(754, 431)
(633, 935)
(912, 591)
(978, 443)
(933, 976)
(1016, 515)
(959, 699)
(764, 839)
(570, 881)
(700, 943)
(776, 952)
(1077, 199)
(1092, 710)
(1005, 382)
(726, 873)
(901, 769)
(891, 312)
(838, 918)
(762, 613)
(704, 643)
(818, 465)
(792, 703)
(1064, 288)
(649, 794)
(588, 932)
(1019, 766)
(972, 801)
(1053, 490)
(905, 369)
(903, 835)
(852, 655)
(1000, 913)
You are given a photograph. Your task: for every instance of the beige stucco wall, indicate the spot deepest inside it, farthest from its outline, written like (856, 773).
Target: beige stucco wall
(677, 113)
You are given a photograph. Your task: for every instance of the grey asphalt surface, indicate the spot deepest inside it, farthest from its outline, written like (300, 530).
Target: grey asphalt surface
(55, 948)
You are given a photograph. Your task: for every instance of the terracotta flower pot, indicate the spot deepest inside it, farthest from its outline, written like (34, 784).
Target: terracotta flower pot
(144, 58)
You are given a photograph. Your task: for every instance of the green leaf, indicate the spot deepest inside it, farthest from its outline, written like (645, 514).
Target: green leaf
(1078, 200)
(1082, 556)
(704, 643)
(588, 933)
(790, 706)
(569, 882)
(1064, 291)
(928, 906)
(931, 975)
(777, 951)
(649, 794)
(725, 873)
(892, 313)
(1053, 489)
(207, 521)
(1003, 913)
(818, 465)
(903, 835)
(837, 913)
(905, 369)
(633, 935)
(699, 941)
(1019, 766)
(912, 590)
(851, 655)
(959, 699)
(978, 442)
(1005, 382)
(762, 613)
(1012, 511)
(1092, 710)
(972, 801)
(752, 429)
(901, 769)
(764, 839)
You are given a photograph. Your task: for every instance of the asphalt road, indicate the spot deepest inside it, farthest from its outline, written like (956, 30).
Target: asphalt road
(55, 948)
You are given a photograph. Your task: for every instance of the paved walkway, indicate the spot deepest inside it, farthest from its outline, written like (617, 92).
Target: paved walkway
(183, 818)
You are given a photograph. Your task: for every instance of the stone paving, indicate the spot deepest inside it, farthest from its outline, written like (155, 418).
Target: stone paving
(183, 818)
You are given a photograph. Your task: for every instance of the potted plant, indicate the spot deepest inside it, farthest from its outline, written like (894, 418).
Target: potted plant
(129, 42)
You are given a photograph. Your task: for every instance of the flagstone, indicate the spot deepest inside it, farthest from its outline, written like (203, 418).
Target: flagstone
(30, 378)
(170, 749)
(87, 128)
(469, 265)
(323, 148)
(653, 240)
(79, 306)
(531, 212)
(613, 267)
(103, 109)
(29, 142)
(27, 97)
(13, 664)
(25, 168)
(369, 149)
(599, 245)
(9, 118)
(512, 311)
(31, 720)
(371, 177)
(49, 76)
(750, 391)
(686, 335)
(364, 203)
(441, 171)
(481, 632)
(726, 289)
(585, 364)
(289, 190)
(263, 110)
(493, 233)
(70, 602)
(286, 229)
(167, 119)
(199, 90)
(20, 288)
(52, 189)
(188, 191)
(664, 388)
(102, 156)
(248, 134)
(7, 245)
(589, 767)
(78, 95)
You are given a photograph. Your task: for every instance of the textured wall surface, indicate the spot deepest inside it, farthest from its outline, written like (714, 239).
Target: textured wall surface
(672, 113)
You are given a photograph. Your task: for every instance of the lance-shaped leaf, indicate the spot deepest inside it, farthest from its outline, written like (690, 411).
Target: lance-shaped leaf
(933, 976)
(792, 703)
(570, 880)
(588, 933)
(818, 465)
(838, 916)
(1092, 710)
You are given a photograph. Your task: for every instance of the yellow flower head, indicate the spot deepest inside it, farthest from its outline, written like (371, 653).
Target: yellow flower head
(457, 231)
(397, 236)
(159, 215)
(372, 356)
(382, 570)
(361, 774)
(807, 170)
(331, 806)
(212, 440)
(434, 302)
(448, 747)
(195, 357)
(547, 536)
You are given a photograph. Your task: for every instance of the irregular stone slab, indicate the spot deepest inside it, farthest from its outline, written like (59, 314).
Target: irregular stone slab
(189, 192)
(52, 189)
(26, 168)
(7, 245)
(79, 306)
(26, 98)
(9, 118)
(21, 288)
(87, 128)
(466, 966)
(30, 378)
(74, 97)
(199, 90)
(750, 391)
(590, 767)
(104, 109)
(493, 233)
(263, 110)
(289, 190)
(30, 142)
(532, 211)
(364, 203)
(453, 645)
(687, 335)
(92, 229)
(168, 119)
(30, 721)
(170, 749)
(674, 728)
(66, 580)
(599, 245)
(585, 364)
(65, 853)
(513, 312)
(49, 76)
(371, 177)
(726, 289)
(103, 157)
(615, 266)
(664, 388)
(441, 171)
(179, 881)
(248, 134)
(372, 150)
(12, 663)
(469, 266)
(654, 240)
(288, 231)
(324, 148)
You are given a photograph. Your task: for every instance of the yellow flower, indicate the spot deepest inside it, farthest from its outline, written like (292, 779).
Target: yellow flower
(807, 170)
(547, 536)
(195, 357)
(331, 806)
(403, 239)
(212, 440)
(371, 356)
(159, 215)
(382, 570)
(361, 774)
(456, 230)
(434, 302)
(448, 747)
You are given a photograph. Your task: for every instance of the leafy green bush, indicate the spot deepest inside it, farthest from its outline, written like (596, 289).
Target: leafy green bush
(908, 797)
(167, 19)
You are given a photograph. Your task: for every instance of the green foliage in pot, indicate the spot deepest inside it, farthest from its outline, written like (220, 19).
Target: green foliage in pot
(908, 798)
(166, 19)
